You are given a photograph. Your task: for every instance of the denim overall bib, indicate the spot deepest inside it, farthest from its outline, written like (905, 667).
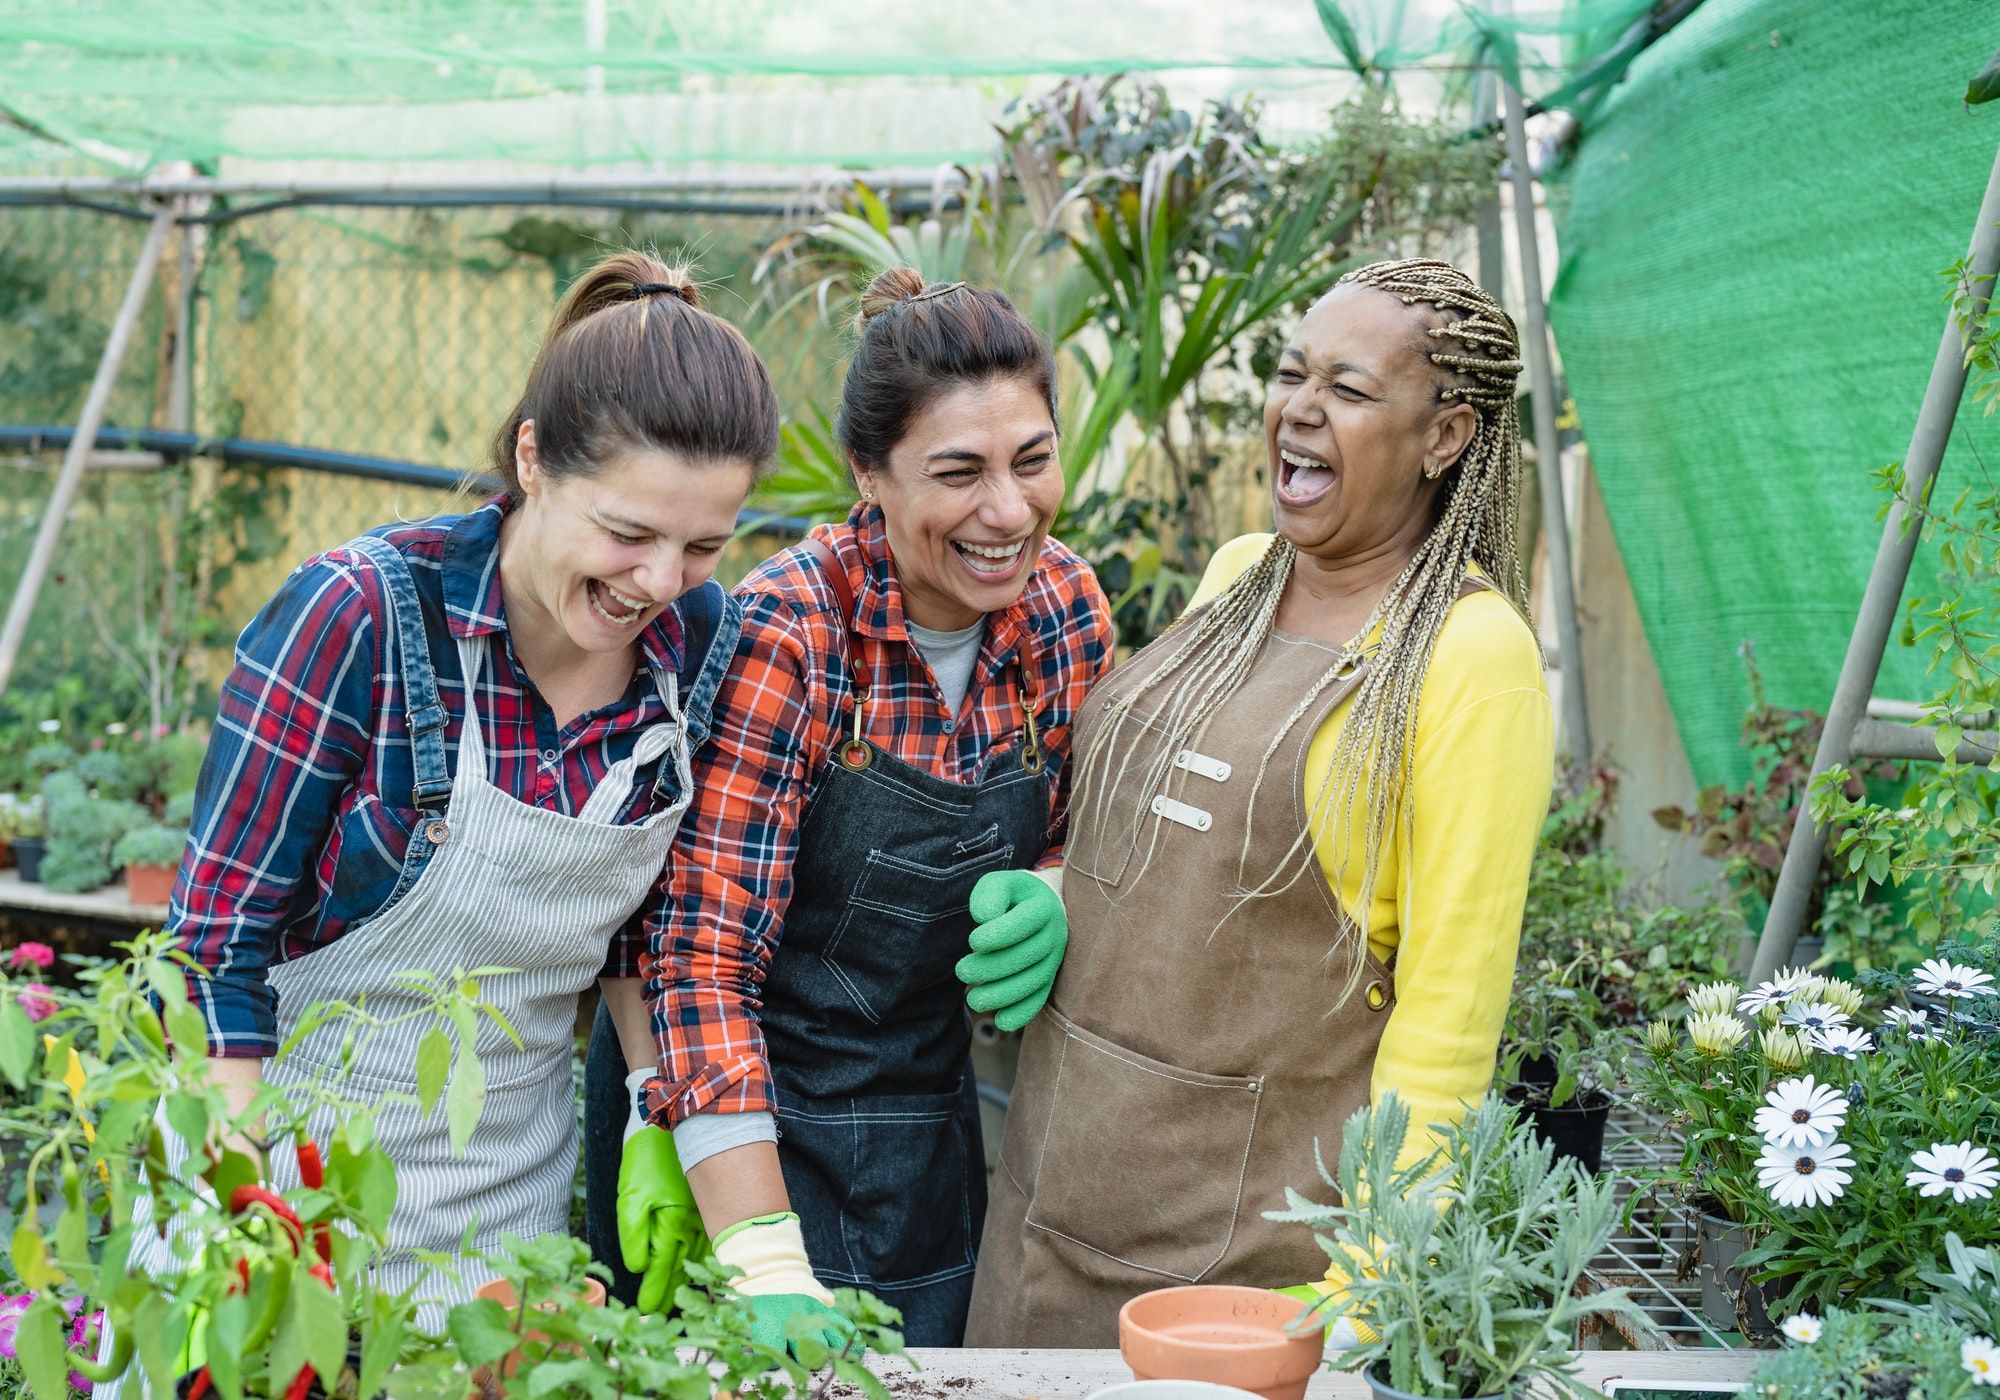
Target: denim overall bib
(865, 1020)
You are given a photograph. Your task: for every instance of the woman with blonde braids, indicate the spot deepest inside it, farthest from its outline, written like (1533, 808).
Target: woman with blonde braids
(1300, 834)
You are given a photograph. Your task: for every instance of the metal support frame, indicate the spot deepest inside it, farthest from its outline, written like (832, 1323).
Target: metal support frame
(1839, 738)
(1486, 213)
(22, 606)
(1548, 445)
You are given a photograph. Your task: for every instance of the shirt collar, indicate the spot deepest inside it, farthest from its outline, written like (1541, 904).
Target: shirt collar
(472, 601)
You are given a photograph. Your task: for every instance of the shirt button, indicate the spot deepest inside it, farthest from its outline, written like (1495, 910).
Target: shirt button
(548, 755)
(950, 726)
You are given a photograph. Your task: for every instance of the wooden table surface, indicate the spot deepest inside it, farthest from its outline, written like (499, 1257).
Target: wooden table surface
(111, 902)
(969, 1374)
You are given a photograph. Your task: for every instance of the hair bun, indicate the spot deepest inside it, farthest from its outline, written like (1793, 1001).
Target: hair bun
(896, 285)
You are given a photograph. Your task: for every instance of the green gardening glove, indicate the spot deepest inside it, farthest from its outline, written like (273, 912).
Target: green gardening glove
(775, 1278)
(1017, 946)
(659, 1227)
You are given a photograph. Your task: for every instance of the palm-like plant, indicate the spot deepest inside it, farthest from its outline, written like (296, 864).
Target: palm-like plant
(1190, 234)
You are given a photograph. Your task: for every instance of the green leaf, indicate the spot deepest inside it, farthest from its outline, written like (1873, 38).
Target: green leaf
(322, 1325)
(433, 1067)
(31, 1257)
(189, 1031)
(464, 1099)
(381, 1343)
(1985, 84)
(17, 1042)
(234, 1170)
(39, 1347)
(480, 1332)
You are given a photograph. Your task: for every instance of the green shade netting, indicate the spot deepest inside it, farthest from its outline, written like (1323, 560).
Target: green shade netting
(130, 83)
(1748, 308)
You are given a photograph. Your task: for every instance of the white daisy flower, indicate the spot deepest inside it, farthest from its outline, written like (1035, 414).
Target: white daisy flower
(1814, 1017)
(1801, 1113)
(1938, 978)
(1913, 1022)
(1713, 999)
(1979, 1356)
(1968, 1172)
(1844, 1041)
(1776, 992)
(1716, 1035)
(50, 726)
(1801, 1176)
(1801, 1327)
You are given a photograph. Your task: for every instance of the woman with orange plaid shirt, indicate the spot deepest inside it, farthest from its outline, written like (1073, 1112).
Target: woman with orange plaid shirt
(877, 818)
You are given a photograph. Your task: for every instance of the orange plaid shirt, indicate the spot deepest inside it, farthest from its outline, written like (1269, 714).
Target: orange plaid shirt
(781, 712)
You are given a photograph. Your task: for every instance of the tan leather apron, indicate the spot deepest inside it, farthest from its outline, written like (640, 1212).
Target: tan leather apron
(1196, 1047)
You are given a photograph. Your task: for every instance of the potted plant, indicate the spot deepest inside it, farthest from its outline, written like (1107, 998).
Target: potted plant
(1463, 1268)
(1861, 1354)
(1561, 1062)
(22, 825)
(150, 854)
(83, 826)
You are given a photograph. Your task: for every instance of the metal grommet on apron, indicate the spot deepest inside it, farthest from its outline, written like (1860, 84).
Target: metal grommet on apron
(494, 882)
(865, 1019)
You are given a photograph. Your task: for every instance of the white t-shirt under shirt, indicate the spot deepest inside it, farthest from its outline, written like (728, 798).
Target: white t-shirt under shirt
(951, 656)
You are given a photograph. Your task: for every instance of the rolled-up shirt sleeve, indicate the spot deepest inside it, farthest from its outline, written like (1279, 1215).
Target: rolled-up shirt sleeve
(731, 877)
(291, 734)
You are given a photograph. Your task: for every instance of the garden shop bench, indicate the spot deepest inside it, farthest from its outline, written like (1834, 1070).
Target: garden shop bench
(969, 1374)
(108, 903)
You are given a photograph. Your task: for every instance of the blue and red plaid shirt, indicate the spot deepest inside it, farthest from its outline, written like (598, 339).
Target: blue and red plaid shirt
(777, 718)
(303, 810)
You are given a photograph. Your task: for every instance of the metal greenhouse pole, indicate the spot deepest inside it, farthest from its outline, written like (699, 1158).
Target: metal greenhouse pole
(1881, 600)
(22, 606)
(1548, 446)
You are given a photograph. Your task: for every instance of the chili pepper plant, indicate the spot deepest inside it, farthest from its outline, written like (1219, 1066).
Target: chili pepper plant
(118, 1127)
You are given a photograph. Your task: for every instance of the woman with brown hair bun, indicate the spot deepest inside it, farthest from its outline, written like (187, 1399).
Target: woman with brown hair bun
(884, 794)
(1300, 840)
(466, 741)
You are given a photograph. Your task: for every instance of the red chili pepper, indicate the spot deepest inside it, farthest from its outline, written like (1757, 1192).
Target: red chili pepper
(323, 1242)
(312, 1171)
(243, 1197)
(322, 1272)
(243, 1273)
(301, 1383)
(199, 1386)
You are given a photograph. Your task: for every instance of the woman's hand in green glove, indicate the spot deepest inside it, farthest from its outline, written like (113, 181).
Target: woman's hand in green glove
(1017, 946)
(659, 1228)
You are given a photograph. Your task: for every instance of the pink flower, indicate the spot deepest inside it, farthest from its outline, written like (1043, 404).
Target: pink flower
(37, 1002)
(32, 955)
(83, 1335)
(12, 1305)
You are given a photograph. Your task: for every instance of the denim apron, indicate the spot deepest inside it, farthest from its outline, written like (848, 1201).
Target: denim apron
(865, 1021)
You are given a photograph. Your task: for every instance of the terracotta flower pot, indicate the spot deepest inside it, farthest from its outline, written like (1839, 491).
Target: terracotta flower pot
(1224, 1335)
(149, 884)
(1170, 1390)
(502, 1292)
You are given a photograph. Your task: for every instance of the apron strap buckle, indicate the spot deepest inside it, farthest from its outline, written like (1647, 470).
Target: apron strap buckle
(855, 753)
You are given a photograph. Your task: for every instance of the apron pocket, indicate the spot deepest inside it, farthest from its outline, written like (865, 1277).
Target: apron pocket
(1142, 1161)
(883, 1184)
(904, 930)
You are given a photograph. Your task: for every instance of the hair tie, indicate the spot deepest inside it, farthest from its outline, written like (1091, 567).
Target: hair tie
(641, 290)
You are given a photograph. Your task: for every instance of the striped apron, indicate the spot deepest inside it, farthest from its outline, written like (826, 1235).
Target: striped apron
(489, 881)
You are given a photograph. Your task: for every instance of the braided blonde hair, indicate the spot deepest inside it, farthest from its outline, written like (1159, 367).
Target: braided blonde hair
(1222, 642)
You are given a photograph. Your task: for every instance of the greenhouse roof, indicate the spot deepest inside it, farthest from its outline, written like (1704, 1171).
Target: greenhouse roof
(516, 85)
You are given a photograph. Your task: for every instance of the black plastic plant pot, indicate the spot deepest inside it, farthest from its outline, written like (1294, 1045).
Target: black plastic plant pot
(1537, 1070)
(1574, 1130)
(1382, 1390)
(28, 858)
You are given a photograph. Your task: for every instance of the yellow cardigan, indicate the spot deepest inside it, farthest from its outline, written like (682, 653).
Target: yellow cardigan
(1448, 897)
